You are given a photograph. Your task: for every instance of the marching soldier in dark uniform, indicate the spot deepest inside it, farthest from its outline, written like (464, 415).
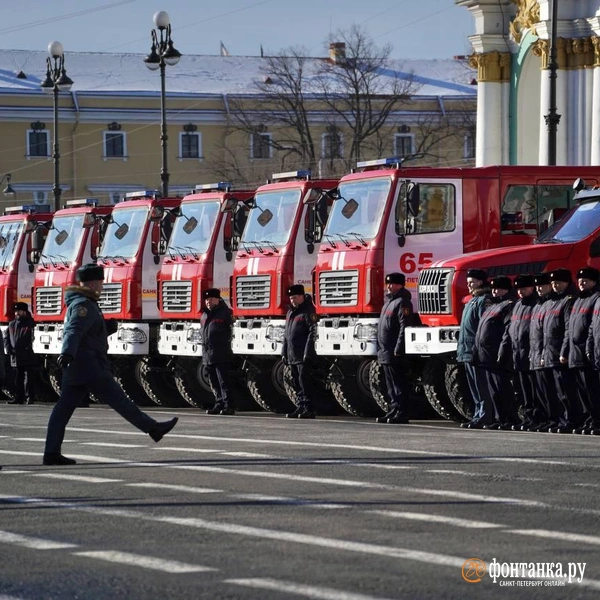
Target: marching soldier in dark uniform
(216, 323)
(592, 424)
(18, 344)
(514, 351)
(481, 298)
(86, 368)
(396, 315)
(493, 324)
(299, 348)
(556, 324)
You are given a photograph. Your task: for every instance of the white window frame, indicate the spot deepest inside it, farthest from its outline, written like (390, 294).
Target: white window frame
(325, 145)
(411, 137)
(104, 155)
(198, 134)
(265, 134)
(469, 146)
(48, 144)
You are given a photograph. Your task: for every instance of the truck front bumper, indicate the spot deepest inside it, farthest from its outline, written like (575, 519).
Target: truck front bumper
(180, 339)
(431, 340)
(258, 336)
(347, 336)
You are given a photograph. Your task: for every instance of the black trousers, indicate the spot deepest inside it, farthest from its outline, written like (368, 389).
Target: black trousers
(25, 384)
(551, 393)
(587, 381)
(483, 411)
(218, 375)
(107, 390)
(303, 386)
(395, 383)
(500, 395)
(525, 393)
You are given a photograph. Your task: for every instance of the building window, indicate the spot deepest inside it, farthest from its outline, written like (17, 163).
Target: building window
(40, 197)
(331, 144)
(469, 146)
(403, 145)
(260, 145)
(190, 145)
(38, 142)
(115, 144)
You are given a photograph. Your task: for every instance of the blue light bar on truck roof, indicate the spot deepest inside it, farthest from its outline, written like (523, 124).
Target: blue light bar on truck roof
(82, 202)
(143, 194)
(223, 186)
(27, 208)
(292, 175)
(379, 162)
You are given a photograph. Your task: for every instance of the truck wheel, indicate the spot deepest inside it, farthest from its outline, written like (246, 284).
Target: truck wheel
(434, 385)
(191, 390)
(325, 403)
(267, 387)
(349, 383)
(157, 381)
(45, 391)
(124, 372)
(458, 390)
(377, 386)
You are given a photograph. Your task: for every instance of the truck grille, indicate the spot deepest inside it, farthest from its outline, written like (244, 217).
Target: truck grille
(253, 291)
(338, 288)
(48, 300)
(177, 296)
(434, 291)
(110, 298)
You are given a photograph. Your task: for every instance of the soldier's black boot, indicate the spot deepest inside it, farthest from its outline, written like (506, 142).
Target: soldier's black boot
(227, 410)
(294, 414)
(58, 459)
(215, 410)
(307, 414)
(161, 429)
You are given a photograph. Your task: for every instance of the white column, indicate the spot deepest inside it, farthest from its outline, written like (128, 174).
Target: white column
(595, 122)
(544, 106)
(489, 124)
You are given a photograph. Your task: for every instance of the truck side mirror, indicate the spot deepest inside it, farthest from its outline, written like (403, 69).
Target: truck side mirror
(413, 199)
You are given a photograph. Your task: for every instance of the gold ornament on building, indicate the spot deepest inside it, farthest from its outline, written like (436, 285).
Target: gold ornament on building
(528, 16)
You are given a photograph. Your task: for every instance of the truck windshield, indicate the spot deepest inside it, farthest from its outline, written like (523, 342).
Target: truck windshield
(272, 217)
(64, 239)
(576, 225)
(9, 236)
(124, 233)
(194, 227)
(359, 209)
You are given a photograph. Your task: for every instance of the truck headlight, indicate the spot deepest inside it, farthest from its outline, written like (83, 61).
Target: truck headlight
(194, 335)
(449, 335)
(275, 333)
(365, 332)
(132, 336)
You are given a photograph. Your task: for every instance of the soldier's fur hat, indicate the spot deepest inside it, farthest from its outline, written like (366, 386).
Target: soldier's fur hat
(90, 272)
(211, 293)
(477, 274)
(397, 278)
(542, 279)
(501, 283)
(589, 273)
(296, 290)
(563, 275)
(523, 281)
(21, 306)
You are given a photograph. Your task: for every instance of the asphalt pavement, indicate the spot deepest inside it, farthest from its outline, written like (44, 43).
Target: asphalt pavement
(263, 507)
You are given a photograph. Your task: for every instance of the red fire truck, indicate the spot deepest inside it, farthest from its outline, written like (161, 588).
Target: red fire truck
(74, 238)
(389, 218)
(133, 249)
(571, 242)
(277, 249)
(200, 255)
(23, 230)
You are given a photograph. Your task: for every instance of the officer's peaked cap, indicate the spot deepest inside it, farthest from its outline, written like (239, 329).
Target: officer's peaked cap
(397, 278)
(90, 272)
(563, 275)
(501, 283)
(21, 306)
(211, 293)
(589, 273)
(296, 290)
(477, 274)
(542, 279)
(523, 281)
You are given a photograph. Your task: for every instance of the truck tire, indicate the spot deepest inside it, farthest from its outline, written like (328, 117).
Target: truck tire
(458, 390)
(157, 381)
(45, 391)
(434, 385)
(349, 383)
(189, 386)
(267, 388)
(377, 386)
(325, 403)
(125, 374)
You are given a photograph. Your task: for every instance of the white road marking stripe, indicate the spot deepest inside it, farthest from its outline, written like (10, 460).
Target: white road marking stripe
(77, 477)
(11, 472)
(298, 589)
(175, 488)
(558, 535)
(146, 562)
(184, 449)
(109, 445)
(467, 523)
(77, 456)
(248, 455)
(30, 542)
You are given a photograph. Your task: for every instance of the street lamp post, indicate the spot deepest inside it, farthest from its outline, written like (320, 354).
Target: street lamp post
(56, 81)
(162, 53)
(552, 118)
(8, 191)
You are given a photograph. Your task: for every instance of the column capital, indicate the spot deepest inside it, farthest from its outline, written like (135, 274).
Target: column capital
(491, 66)
(596, 45)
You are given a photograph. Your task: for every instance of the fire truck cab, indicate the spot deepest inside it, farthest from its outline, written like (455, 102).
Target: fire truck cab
(199, 256)
(277, 249)
(389, 218)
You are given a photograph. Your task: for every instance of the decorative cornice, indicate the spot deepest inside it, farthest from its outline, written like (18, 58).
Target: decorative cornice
(528, 15)
(491, 66)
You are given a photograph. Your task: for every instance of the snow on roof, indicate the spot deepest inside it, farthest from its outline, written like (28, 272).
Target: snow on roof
(104, 73)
